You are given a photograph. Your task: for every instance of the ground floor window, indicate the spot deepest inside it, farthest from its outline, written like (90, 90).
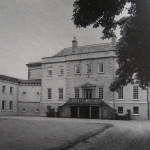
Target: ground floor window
(60, 93)
(11, 106)
(135, 110)
(49, 93)
(120, 110)
(3, 105)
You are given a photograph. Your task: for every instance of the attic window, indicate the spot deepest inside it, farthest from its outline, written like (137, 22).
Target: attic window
(61, 70)
(50, 70)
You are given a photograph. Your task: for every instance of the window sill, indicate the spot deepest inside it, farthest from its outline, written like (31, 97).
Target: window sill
(60, 75)
(11, 94)
(3, 110)
(77, 73)
(120, 114)
(135, 114)
(49, 99)
(120, 99)
(135, 99)
(49, 75)
(100, 72)
(60, 99)
(11, 110)
(3, 92)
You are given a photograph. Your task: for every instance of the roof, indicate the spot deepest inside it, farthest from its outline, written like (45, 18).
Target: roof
(34, 64)
(19, 81)
(7, 78)
(35, 81)
(85, 49)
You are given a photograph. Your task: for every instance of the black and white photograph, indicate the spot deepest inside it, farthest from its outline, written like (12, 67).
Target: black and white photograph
(74, 74)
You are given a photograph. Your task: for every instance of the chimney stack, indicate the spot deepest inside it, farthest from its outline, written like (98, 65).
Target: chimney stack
(74, 43)
(113, 40)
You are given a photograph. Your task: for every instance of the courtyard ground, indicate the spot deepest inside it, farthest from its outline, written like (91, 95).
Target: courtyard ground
(41, 133)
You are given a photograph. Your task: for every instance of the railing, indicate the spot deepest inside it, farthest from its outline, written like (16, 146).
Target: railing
(73, 101)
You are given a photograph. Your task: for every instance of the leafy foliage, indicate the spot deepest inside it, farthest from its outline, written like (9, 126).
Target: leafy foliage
(133, 48)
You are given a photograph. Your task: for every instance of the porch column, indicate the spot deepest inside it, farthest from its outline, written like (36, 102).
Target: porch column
(90, 112)
(78, 112)
(100, 112)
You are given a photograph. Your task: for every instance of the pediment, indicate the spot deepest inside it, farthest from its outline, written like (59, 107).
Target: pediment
(88, 85)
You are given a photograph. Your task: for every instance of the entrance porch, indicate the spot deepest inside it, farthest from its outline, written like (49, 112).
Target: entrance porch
(93, 108)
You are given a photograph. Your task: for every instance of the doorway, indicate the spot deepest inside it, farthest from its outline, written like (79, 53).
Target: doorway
(94, 112)
(88, 94)
(84, 111)
(74, 111)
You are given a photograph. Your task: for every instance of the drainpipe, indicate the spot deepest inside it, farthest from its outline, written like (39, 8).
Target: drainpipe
(148, 102)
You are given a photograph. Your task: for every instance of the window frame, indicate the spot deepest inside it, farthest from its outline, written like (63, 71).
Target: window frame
(49, 94)
(135, 112)
(120, 112)
(77, 92)
(11, 106)
(3, 105)
(135, 95)
(50, 69)
(11, 90)
(75, 69)
(59, 71)
(87, 68)
(101, 92)
(99, 67)
(4, 89)
(120, 95)
(61, 95)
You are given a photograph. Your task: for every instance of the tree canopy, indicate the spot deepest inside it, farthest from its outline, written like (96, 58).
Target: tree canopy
(133, 48)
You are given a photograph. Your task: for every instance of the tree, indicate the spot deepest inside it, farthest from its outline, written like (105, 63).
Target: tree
(133, 48)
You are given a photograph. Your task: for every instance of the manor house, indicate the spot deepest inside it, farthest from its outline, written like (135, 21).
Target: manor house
(73, 83)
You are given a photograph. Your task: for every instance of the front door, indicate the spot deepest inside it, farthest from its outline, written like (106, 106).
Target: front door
(88, 94)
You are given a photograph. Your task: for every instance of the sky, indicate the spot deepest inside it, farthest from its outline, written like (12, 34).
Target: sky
(32, 29)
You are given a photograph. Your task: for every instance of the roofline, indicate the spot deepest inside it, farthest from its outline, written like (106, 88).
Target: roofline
(76, 54)
(19, 81)
(31, 64)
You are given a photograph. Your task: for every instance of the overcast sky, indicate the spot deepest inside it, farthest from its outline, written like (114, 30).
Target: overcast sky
(32, 29)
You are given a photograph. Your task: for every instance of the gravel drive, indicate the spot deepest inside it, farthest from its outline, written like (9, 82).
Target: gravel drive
(125, 135)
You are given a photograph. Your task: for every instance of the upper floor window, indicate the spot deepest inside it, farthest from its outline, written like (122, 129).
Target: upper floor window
(50, 71)
(120, 93)
(77, 69)
(11, 90)
(120, 110)
(135, 92)
(29, 74)
(3, 105)
(88, 68)
(101, 68)
(76, 92)
(61, 71)
(60, 93)
(101, 91)
(3, 89)
(49, 93)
